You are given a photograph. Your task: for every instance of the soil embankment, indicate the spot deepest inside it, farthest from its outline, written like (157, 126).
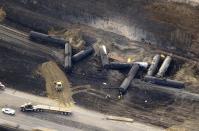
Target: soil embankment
(52, 73)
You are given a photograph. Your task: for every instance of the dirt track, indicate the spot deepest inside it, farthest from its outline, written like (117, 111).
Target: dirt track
(52, 73)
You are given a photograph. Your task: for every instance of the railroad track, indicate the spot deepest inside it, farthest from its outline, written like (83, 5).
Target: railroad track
(13, 31)
(21, 39)
(166, 52)
(158, 50)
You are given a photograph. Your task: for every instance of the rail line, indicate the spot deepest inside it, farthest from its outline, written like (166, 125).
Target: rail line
(13, 31)
(8, 33)
(22, 43)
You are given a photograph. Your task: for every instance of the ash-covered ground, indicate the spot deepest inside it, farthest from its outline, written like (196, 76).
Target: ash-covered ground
(21, 70)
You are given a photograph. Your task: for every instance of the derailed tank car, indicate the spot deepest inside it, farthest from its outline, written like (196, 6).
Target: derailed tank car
(164, 82)
(164, 67)
(103, 55)
(131, 75)
(82, 54)
(118, 65)
(40, 37)
(154, 65)
(67, 57)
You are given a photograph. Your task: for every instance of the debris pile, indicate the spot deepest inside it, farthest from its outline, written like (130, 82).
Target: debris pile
(189, 73)
(133, 66)
(75, 39)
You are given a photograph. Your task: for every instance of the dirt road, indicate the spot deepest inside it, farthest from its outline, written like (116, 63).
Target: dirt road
(52, 73)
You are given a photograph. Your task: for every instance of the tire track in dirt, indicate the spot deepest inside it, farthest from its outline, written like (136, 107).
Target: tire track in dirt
(52, 73)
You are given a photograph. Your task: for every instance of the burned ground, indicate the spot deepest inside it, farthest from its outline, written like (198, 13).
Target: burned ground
(20, 71)
(142, 105)
(88, 77)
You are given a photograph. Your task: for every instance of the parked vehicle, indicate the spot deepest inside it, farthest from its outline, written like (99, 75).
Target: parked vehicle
(8, 111)
(58, 86)
(2, 86)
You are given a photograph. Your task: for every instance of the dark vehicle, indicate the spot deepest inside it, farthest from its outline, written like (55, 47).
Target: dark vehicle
(28, 107)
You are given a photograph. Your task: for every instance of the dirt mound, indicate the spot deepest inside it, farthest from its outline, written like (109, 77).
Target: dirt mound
(75, 38)
(176, 129)
(52, 73)
(189, 74)
(188, 125)
(2, 14)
